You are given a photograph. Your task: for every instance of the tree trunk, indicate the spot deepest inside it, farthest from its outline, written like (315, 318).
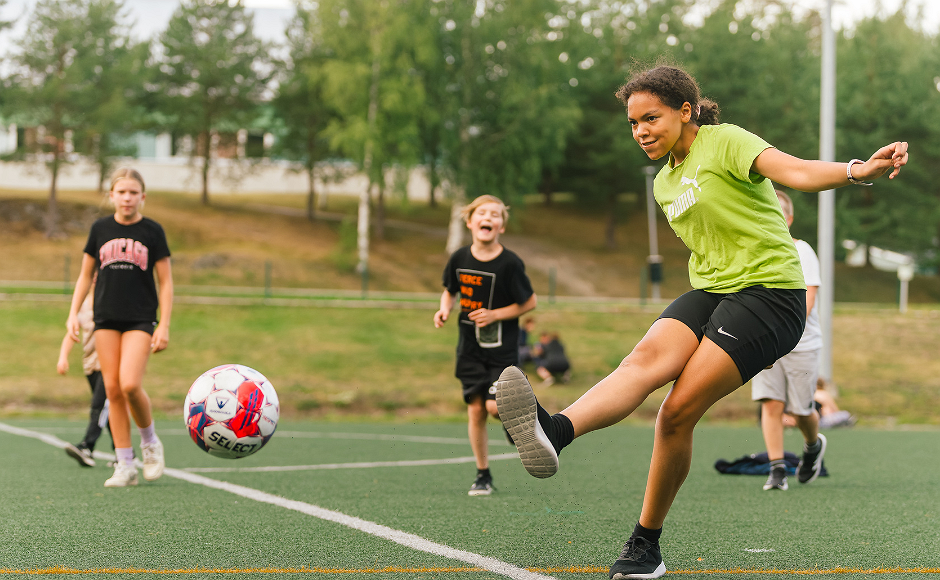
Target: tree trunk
(311, 168)
(432, 179)
(52, 212)
(380, 211)
(547, 187)
(206, 151)
(456, 226)
(311, 193)
(365, 196)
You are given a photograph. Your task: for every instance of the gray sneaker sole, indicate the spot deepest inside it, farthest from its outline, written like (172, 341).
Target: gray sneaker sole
(82, 459)
(659, 571)
(517, 410)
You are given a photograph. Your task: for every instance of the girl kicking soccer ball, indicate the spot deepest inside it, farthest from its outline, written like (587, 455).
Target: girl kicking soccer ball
(126, 249)
(746, 310)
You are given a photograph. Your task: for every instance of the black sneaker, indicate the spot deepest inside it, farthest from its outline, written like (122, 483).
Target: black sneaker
(518, 410)
(508, 436)
(80, 453)
(482, 486)
(811, 463)
(777, 479)
(640, 559)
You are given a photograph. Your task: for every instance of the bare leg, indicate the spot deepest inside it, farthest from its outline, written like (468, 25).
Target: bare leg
(108, 345)
(476, 429)
(809, 426)
(771, 423)
(654, 362)
(135, 352)
(709, 375)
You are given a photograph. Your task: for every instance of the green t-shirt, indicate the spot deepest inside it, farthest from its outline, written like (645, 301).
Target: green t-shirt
(727, 215)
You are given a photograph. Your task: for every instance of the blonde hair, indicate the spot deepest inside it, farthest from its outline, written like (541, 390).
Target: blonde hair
(471, 207)
(786, 204)
(127, 173)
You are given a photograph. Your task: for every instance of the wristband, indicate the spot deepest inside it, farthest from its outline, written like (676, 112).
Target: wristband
(848, 173)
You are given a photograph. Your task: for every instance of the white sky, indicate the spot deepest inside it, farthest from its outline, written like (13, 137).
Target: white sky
(271, 16)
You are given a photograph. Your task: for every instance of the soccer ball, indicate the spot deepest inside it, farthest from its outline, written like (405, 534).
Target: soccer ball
(231, 411)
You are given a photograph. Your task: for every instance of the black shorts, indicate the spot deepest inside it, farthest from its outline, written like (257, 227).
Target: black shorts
(478, 371)
(755, 326)
(123, 326)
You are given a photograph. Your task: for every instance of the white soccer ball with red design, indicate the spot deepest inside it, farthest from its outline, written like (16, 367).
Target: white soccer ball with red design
(231, 411)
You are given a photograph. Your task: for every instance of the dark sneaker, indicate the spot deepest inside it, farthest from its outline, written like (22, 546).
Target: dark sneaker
(777, 479)
(508, 436)
(811, 463)
(640, 559)
(518, 410)
(80, 453)
(482, 486)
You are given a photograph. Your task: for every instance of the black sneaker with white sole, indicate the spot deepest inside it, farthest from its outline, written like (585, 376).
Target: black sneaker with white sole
(519, 412)
(482, 486)
(640, 559)
(811, 463)
(81, 454)
(777, 479)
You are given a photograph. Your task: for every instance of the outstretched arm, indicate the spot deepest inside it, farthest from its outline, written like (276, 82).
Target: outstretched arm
(812, 176)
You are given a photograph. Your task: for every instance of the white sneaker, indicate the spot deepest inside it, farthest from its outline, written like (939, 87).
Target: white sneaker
(124, 476)
(153, 460)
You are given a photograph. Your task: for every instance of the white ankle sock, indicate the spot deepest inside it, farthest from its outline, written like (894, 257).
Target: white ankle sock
(125, 455)
(147, 435)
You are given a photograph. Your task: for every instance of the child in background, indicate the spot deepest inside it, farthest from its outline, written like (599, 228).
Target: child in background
(98, 418)
(551, 360)
(789, 385)
(494, 291)
(126, 250)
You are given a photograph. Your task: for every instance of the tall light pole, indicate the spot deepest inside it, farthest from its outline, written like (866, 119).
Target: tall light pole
(654, 260)
(827, 199)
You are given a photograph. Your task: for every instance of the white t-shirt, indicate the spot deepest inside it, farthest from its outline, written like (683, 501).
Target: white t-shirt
(812, 335)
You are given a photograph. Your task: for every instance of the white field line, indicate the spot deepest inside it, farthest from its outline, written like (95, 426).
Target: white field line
(362, 465)
(329, 435)
(404, 538)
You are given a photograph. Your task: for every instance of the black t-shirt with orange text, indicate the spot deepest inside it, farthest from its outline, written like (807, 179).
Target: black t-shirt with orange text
(495, 284)
(125, 256)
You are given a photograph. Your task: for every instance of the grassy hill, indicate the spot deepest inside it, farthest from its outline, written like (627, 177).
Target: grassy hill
(239, 240)
(367, 362)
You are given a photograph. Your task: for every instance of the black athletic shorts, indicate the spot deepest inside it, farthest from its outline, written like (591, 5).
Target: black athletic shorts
(478, 371)
(755, 326)
(123, 326)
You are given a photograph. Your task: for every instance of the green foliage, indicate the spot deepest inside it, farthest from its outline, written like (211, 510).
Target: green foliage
(211, 74)
(491, 97)
(299, 106)
(74, 73)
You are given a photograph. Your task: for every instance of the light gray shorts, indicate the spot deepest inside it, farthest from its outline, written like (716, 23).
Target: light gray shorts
(792, 380)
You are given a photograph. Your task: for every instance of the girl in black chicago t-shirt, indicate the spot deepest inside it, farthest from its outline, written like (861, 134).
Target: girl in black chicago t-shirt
(126, 249)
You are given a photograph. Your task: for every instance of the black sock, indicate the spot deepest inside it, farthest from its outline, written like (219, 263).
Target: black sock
(485, 472)
(814, 448)
(559, 429)
(647, 534)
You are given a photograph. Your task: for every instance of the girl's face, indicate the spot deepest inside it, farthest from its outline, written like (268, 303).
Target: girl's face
(486, 222)
(656, 126)
(127, 195)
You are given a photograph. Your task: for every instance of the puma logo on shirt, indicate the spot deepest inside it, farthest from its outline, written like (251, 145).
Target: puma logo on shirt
(687, 199)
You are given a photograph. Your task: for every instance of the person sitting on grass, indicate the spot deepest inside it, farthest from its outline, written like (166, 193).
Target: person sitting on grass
(551, 360)
(98, 416)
